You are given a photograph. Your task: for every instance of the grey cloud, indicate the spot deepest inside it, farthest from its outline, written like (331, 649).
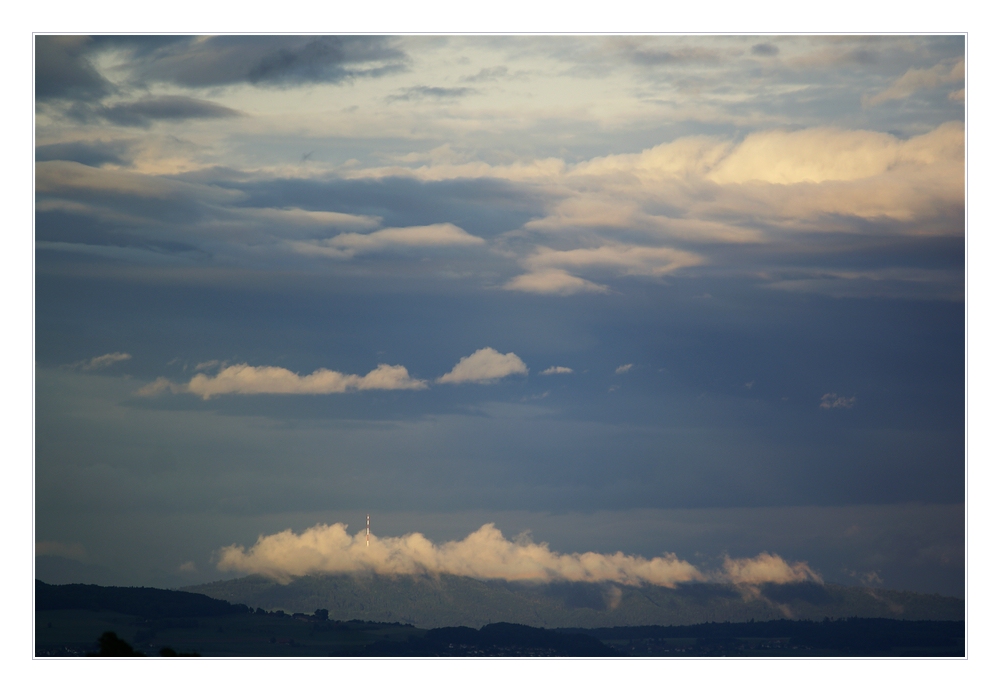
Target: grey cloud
(423, 92)
(273, 60)
(764, 49)
(143, 112)
(88, 153)
(62, 70)
(487, 74)
(652, 57)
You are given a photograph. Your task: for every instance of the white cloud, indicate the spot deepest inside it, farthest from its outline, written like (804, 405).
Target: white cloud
(622, 369)
(483, 554)
(108, 359)
(248, 379)
(207, 365)
(485, 366)
(347, 245)
(556, 370)
(554, 282)
(831, 400)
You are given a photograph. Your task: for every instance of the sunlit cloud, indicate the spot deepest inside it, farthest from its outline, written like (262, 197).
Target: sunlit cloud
(483, 554)
(485, 366)
(347, 245)
(917, 79)
(767, 568)
(553, 282)
(557, 370)
(248, 379)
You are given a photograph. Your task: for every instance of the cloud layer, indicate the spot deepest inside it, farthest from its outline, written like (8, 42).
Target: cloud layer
(483, 554)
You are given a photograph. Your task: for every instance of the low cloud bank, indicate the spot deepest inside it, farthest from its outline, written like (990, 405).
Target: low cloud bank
(248, 379)
(483, 554)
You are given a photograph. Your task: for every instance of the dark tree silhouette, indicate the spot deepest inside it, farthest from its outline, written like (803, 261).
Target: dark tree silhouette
(112, 645)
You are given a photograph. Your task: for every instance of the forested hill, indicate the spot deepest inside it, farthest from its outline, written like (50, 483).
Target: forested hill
(138, 601)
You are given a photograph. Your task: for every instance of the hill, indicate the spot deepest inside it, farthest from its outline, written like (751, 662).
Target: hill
(77, 619)
(450, 601)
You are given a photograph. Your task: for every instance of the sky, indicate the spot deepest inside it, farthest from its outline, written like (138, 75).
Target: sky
(698, 300)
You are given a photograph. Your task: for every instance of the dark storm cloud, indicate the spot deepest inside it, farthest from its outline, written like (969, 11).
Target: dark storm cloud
(63, 70)
(271, 60)
(418, 93)
(93, 153)
(143, 112)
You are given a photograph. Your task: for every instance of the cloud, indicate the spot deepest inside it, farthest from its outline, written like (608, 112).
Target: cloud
(556, 370)
(63, 70)
(553, 282)
(347, 245)
(248, 379)
(99, 362)
(915, 79)
(70, 551)
(483, 554)
(207, 365)
(158, 386)
(485, 366)
(419, 93)
(631, 260)
(622, 369)
(831, 400)
(270, 60)
(487, 74)
(550, 270)
(143, 112)
(764, 49)
(93, 153)
(766, 568)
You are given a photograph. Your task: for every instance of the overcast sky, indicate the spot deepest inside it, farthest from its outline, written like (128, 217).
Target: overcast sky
(690, 295)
